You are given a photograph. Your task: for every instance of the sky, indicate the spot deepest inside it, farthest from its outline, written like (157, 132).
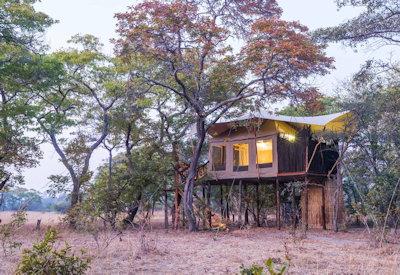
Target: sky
(97, 17)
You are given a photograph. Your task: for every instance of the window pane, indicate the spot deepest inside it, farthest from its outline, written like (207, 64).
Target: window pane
(218, 157)
(240, 157)
(264, 153)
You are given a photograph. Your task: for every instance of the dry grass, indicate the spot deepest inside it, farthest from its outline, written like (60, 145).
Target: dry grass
(179, 252)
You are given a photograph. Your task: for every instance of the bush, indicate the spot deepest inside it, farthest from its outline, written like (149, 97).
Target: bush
(268, 268)
(8, 231)
(43, 258)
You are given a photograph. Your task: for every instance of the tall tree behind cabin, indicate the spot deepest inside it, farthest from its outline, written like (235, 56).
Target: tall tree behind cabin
(214, 54)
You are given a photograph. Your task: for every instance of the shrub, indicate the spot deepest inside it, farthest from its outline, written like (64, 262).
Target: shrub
(8, 230)
(268, 268)
(43, 258)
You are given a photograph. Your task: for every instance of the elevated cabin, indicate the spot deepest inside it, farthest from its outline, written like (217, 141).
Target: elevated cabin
(265, 148)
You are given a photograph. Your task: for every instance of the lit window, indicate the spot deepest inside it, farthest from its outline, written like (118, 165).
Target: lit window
(218, 157)
(241, 157)
(264, 153)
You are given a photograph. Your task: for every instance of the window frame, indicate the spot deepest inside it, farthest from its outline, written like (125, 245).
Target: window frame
(240, 168)
(221, 167)
(267, 164)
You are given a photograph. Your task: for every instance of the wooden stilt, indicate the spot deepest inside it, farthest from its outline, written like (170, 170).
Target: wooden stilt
(293, 207)
(209, 204)
(165, 209)
(205, 208)
(227, 207)
(240, 203)
(246, 211)
(257, 205)
(306, 204)
(278, 204)
(222, 201)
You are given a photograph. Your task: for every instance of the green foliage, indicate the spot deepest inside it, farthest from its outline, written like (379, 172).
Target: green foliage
(377, 22)
(23, 71)
(44, 258)
(109, 196)
(371, 165)
(8, 231)
(268, 268)
(322, 106)
(18, 196)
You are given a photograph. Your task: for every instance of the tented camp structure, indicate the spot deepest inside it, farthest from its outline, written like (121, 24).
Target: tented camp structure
(276, 150)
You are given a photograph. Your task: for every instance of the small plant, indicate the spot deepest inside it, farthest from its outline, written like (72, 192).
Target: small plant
(8, 231)
(43, 258)
(268, 268)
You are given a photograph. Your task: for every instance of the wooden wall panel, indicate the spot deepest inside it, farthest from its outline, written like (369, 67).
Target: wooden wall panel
(315, 207)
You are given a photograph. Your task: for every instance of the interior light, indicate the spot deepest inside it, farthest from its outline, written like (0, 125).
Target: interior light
(288, 137)
(264, 145)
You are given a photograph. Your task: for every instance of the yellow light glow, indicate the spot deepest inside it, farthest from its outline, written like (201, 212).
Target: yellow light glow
(288, 137)
(264, 151)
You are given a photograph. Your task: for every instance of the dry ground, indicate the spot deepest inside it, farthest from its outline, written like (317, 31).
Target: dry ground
(179, 252)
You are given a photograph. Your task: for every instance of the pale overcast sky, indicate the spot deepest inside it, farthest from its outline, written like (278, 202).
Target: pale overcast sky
(97, 17)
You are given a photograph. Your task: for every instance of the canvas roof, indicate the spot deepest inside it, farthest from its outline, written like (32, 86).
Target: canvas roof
(336, 122)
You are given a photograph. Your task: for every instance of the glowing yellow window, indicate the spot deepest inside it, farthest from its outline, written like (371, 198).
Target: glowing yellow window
(241, 157)
(264, 153)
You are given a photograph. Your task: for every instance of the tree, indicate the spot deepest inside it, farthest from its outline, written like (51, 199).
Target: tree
(372, 163)
(22, 69)
(379, 22)
(74, 113)
(150, 173)
(190, 45)
(317, 105)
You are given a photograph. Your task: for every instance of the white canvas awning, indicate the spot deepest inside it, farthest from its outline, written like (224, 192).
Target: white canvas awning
(337, 122)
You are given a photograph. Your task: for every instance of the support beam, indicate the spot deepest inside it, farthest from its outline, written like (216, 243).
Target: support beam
(293, 195)
(205, 208)
(278, 204)
(323, 208)
(305, 222)
(257, 205)
(240, 203)
(222, 201)
(209, 204)
(246, 211)
(227, 207)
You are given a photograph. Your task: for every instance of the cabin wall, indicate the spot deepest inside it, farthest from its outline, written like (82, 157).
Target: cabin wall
(242, 135)
(292, 155)
(325, 204)
(316, 214)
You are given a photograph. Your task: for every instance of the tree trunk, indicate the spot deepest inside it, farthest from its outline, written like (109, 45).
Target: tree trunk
(4, 182)
(177, 182)
(133, 209)
(166, 225)
(189, 186)
(75, 193)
